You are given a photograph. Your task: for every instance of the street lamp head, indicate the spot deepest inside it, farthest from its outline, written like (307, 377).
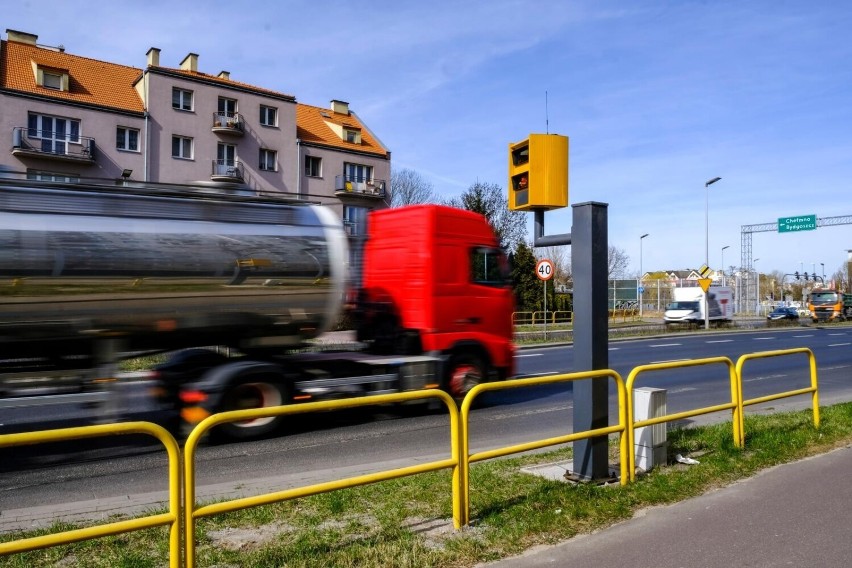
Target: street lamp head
(712, 181)
(726, 247)
(643, 236)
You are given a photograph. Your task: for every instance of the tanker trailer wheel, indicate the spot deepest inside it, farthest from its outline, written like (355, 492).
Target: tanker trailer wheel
(254, 392)
(464, 371)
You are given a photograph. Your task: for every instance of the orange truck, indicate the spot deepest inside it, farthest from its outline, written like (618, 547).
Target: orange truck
(829, 305)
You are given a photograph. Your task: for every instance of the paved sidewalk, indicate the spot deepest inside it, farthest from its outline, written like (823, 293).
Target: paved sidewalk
(797, 514)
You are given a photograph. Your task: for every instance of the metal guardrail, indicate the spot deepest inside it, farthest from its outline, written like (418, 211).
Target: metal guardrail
(467, 458)
(171, 518)
(191, 513)
(813, 390)
(185, 509)
(734, 406)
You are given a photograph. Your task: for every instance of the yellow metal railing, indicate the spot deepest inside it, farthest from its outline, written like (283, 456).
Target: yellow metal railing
(171, 518)
(191, 513)
(813, 390)
(734, 406)
(467, 458)
(459, 461)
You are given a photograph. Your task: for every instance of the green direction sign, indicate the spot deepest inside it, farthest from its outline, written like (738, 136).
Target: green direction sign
(797, 223)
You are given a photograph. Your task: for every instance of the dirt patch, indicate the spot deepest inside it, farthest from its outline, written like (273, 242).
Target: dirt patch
(246, 538)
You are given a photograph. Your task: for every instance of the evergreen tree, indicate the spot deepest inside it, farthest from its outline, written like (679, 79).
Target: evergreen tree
(529, 293)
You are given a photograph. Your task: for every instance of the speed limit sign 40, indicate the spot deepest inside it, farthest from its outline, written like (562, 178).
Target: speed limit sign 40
(544, 269)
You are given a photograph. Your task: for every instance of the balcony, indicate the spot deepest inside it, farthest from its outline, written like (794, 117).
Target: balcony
(227, 170)
(344, 185)
(230, 123)
(32, 143)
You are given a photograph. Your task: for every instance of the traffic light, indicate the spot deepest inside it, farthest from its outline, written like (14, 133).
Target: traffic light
(796, 274)
(538, 173)
(806, 275)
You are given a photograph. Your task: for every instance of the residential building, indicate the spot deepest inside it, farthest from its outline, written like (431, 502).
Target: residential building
(71, 117)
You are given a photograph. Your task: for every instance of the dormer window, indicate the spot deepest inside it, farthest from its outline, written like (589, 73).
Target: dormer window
(351, 136)
(56, 79)
(53, 81)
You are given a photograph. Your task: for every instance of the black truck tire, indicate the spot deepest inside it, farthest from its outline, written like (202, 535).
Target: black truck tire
(463, 372)
(251, 392)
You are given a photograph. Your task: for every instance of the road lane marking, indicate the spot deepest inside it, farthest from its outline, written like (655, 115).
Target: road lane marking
(837, 334)
(684, 389)
(666, 345)
(833, 368)
(720, 341)
(614, 348)
(762, 338)
(529, 355)
(669, 361)
(806, 335)
(764, 378)
(839, 344)
(542, 374)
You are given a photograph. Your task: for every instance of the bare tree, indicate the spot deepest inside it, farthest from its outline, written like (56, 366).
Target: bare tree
(408, 187)
(490, 200)
(560, 256)
(617, 263)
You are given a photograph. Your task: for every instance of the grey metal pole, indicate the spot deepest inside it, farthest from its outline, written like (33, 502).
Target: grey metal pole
(707, 185)
(589, 249)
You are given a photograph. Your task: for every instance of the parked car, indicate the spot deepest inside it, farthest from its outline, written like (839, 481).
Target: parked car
(783, 314)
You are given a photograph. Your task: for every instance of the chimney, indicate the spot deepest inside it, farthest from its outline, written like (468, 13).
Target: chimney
(153, 57)
(190, 62)
(21, 37)
(340, 107)
(224, 75)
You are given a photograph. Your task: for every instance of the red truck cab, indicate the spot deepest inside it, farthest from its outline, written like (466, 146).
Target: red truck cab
(434, 280)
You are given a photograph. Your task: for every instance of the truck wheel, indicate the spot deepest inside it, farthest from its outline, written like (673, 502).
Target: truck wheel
(253, 393)
(464, 372)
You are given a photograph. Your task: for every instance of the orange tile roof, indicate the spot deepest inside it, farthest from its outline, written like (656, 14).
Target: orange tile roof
(90, 81)
(311, 127)
(221, 81)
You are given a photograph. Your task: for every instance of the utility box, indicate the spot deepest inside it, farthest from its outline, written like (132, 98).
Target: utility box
(651, 444)
(538, 173)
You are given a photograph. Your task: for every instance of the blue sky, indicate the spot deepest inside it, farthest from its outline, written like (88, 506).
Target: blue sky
(656, 97)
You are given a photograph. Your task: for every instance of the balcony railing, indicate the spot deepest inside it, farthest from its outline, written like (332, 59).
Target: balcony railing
(33, 143)
(227, 170)
(228, 123)
(345, 185)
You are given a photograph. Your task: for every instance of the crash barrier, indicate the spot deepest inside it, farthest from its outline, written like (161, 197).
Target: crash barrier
(191, 513)
(541, 317)
(813, 390)
(459, 461)
(734, 406)
(467, 458)
(171, 518)
(624, 314)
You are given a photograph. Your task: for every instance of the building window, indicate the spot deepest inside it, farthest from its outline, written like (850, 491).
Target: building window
(54, 132)
(127, 139)
(313, 166)
(358, 172)
(181, 99)
(182, 147)
(268, 159)
(268, 116)
(52, 81)
(52, 176)
(352, 136)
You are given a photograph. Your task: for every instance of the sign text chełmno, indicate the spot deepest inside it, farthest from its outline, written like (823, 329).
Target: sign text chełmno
(797, 223)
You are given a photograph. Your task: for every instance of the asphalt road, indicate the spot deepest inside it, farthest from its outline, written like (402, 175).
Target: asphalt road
(334, 446)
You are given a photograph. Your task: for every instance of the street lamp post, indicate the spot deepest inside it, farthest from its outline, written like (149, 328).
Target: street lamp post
(707, 185)
(723, 263)
(757, 292)
(822, 264)
(641, 285)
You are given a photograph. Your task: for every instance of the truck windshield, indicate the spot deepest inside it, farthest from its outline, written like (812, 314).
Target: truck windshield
(692, 306)
(824, 298)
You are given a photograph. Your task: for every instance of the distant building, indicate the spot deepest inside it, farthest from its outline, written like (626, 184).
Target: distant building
(70, 117)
